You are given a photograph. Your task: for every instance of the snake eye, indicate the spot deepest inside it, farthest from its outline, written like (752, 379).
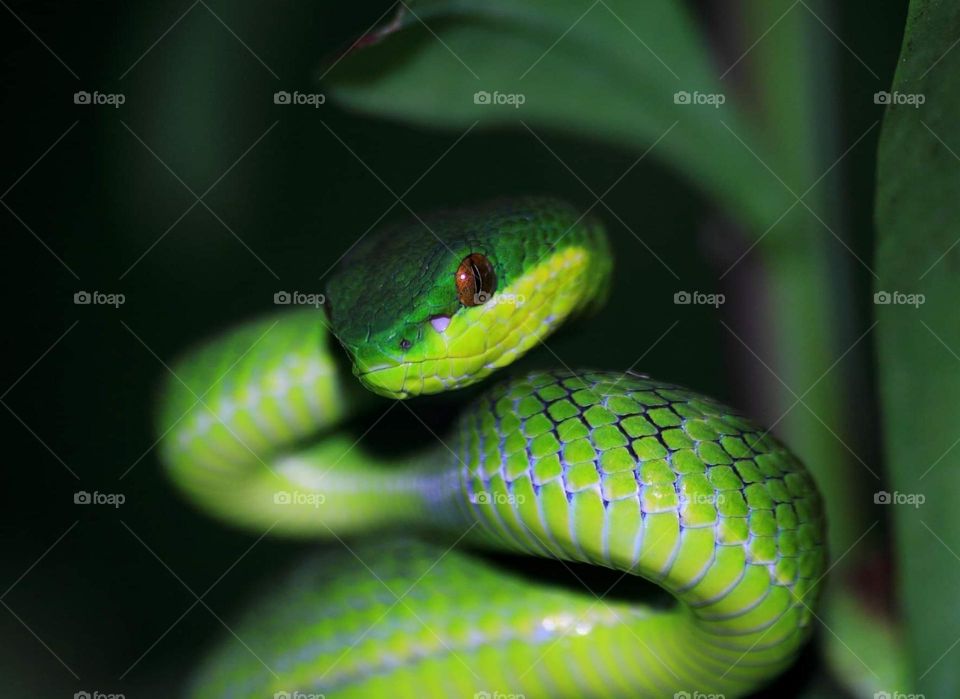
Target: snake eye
(476, 280)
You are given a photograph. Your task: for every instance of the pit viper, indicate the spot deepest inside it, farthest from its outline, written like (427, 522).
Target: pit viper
(419, 593)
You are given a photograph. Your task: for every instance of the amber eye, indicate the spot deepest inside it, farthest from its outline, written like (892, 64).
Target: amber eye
(476, 280)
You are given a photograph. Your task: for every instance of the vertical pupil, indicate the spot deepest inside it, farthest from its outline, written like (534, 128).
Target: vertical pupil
(475, 280)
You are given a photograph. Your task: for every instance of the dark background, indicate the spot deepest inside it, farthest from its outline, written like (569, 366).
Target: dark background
(80, 381)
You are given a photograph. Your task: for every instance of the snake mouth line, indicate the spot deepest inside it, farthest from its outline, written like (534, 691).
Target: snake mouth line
(368, 376)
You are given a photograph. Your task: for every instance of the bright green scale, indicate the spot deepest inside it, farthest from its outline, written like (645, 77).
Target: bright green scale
(616, 470)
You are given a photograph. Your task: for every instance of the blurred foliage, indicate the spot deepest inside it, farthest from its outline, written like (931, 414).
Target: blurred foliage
(917, 213)
(579, 67)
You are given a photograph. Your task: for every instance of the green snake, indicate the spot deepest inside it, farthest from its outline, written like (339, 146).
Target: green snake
(609, 469)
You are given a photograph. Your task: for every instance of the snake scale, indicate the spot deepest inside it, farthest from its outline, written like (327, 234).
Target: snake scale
(617, 470)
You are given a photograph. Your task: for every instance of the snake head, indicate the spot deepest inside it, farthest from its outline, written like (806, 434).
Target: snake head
(445, 301)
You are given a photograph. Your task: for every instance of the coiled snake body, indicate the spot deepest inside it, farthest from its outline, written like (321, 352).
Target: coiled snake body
(615, 470)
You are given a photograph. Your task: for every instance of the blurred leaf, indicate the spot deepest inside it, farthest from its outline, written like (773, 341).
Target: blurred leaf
(866, 652)
(918, 209)
(607, 70)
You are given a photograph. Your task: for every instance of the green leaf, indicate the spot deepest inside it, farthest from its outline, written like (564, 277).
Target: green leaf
(918, 209)
(601, 69)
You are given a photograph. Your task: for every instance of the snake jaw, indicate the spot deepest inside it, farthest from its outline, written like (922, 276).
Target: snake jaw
(380, 373)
